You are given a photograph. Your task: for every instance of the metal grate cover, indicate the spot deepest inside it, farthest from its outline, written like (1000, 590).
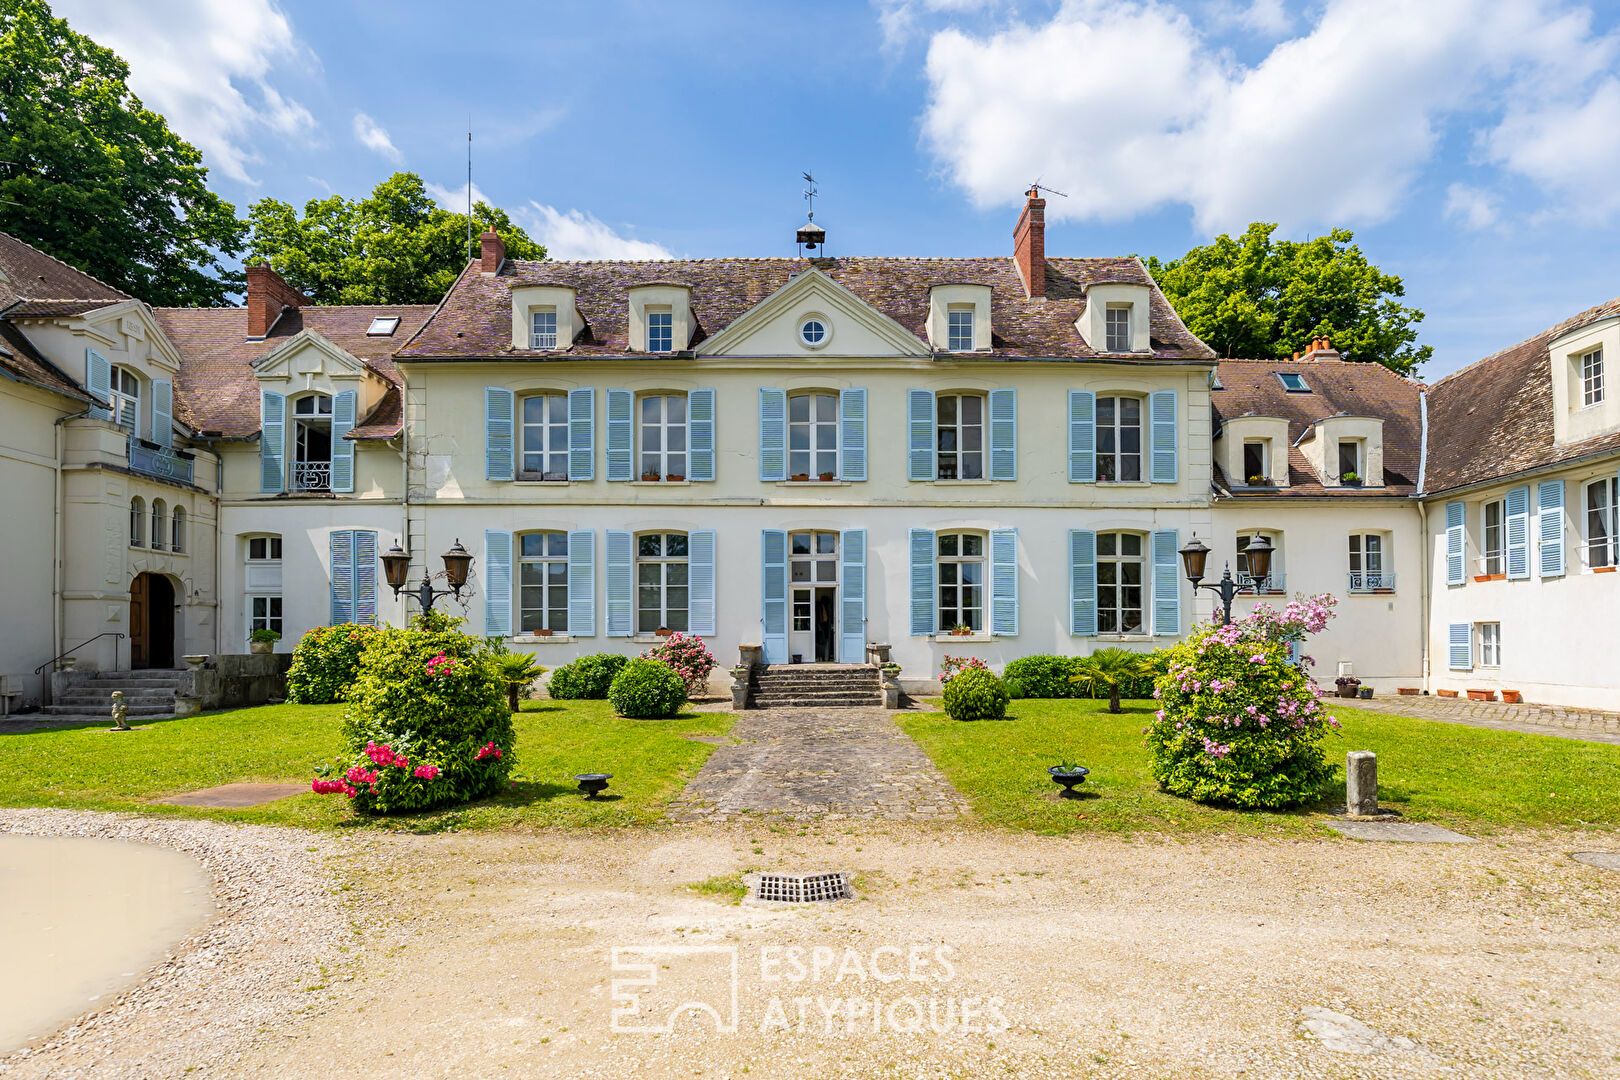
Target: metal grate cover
(802, 888)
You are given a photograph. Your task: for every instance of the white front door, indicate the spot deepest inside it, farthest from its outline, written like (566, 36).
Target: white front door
(813, 597)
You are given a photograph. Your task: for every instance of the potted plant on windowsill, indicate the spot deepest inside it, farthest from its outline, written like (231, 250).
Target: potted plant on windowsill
(827, 477)
(675, 478)
(664, 631)
(650, 478)
(263, 641)
(1603, 569)
(1350, 479)
(1348, 685)
(541, 632)
(799, 477)
(961, 630)
(1259, 481)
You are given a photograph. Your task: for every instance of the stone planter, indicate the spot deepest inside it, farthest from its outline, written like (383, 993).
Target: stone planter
(1446, 693)
(1482, 695)
(260, 648)
(877, 652)
(1512, 697)
(1407, 691)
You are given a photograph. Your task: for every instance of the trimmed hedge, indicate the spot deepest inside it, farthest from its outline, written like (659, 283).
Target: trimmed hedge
(326, 663)
(973, 694)
(589, 677)
(647, 690)
(1048, 677)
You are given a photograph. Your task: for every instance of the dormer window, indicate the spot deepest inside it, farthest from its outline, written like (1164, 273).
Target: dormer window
(383, 326)
(1117, 326)
(1293, 382)
(960, 329)
(1255, 467)
(660, 331)
(543, 328)
(124, 392)
(1350, 462)
(1592, 377)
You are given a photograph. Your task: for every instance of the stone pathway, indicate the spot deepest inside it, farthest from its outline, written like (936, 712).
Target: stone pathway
(1410, 832)
(1592, 725)
(831, 763)
(236, 796)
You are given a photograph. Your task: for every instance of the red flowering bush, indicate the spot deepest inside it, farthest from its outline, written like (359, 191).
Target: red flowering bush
(326, 662)
(687, 657)
(955, 665)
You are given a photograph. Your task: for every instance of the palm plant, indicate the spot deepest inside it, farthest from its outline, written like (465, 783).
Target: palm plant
(519, 670)
(1110, 668)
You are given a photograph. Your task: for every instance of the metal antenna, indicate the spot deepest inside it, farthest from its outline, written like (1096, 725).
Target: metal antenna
(469, 188)
(1038, 186)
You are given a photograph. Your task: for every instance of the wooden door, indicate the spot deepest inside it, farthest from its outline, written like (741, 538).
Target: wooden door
(139, 605)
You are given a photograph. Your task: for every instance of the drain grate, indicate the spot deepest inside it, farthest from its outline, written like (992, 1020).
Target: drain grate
(802, 888)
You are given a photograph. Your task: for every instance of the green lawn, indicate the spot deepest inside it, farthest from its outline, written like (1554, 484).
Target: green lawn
(1470, 778)
(88, 768)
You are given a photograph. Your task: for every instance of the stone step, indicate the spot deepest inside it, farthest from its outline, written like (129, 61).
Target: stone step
(129, 684)
(134, 710)
(104, 697)
(142, 673)
(850, 702)
(835, 677)
(814, 695)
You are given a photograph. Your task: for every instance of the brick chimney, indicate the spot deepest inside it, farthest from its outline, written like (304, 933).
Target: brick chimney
(1029, 245)
(493, 252)
(267, 297)
(1321, 349)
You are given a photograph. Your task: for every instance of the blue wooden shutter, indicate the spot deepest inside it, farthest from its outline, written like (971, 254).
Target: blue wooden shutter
(1518, 533)
(343, 417)
(1550, 527)
(620, 437)
(163, 412)
(1461, 647)
(700, 582)
(620, 583)
(772, 434)
(582, 583)
(1004, 582)
(500, 412)
(1003, 434)
(852, 596)
(272, 441)
(700, 435)
(1455, 570)
(342, 566)
(852, 439)
(1082, 437)
(773, 562)
(497, 583)
(365, 577)
(1166, 583)
(581, 439)
(920, 458)
(98, 380)
(1082, 582)
(922, 580)
(1162, 416)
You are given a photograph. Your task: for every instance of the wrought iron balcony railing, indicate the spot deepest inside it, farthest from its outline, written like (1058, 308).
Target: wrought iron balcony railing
(1366, 581)
(150, 459)
(1271, 583)
(312, 476)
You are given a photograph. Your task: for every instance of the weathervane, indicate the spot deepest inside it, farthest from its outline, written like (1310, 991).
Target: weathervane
(811, 235)
(810, 194)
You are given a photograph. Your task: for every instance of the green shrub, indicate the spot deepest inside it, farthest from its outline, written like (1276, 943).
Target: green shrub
(1015, 689)
(429, 725)
(587, 677)
(974, 694)
(647, 690)
(326, 662)
(1043, 676)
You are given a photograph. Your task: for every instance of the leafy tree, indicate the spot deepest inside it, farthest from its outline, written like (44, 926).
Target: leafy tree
(396, 246)
(1109, 668)
(91, 176)
(1261, 298)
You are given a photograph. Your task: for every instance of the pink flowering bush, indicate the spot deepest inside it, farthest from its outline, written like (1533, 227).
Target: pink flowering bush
(953, 666)
(429, 723)
(687, 657)
(1239, 723)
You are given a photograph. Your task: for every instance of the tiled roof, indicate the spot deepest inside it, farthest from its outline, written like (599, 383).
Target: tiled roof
(20, 360)
(1251, 388)
(27, 273)
(1495, 417)
(215, 389)
(475, 321)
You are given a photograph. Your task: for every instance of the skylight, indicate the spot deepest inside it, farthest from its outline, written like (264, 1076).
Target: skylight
(1215, 382)
(383, 326)
(1293, 382)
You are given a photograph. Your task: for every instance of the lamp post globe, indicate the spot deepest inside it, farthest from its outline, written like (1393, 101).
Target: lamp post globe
(1259, 555)
(1193, 557)
(457, 561)
(396, 565)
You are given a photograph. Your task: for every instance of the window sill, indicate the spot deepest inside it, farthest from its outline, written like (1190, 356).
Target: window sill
(1371, 592)
(660, 483)
(544, 483)
(963, 639)
(1124, 483)
(649, 639)
(1122, 637)
(536, 639)
(964, 483)
(812, 483)
(1603, 569)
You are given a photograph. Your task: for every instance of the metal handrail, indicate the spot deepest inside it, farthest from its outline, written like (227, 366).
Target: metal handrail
(76, 648)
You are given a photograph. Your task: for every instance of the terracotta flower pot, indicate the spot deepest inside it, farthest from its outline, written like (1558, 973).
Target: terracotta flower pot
(542, 633)
(1407, 691)
(675, 478)
(649, 477)
(1512, 697)
(1482, 695)
(1446, 693)
(826, 478)
(664, 631)
(799, 477)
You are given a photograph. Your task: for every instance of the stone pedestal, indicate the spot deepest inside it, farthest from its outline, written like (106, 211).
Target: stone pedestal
(877, 653)
(750, 656)
(187, 706)
(1361, 783)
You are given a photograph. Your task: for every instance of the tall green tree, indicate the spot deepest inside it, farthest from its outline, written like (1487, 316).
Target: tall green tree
(396, 246)
(91, 176)
(1260, 298)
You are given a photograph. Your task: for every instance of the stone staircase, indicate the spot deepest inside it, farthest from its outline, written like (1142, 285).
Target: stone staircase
(815, 686)
(147, 693)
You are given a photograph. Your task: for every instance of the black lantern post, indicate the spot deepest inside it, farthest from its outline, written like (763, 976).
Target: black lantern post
(1195, 555)
(397, 564)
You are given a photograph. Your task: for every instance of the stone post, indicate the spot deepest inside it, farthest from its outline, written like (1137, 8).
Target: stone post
(1361, 783)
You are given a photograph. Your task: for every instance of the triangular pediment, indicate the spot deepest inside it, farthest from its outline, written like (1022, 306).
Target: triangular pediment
(308, 353)
(852, 326)
(131, 320)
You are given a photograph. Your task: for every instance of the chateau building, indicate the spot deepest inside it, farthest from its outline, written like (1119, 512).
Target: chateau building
(996, 456)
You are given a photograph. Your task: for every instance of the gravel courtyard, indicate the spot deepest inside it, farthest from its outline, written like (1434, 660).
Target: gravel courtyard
(493, 954)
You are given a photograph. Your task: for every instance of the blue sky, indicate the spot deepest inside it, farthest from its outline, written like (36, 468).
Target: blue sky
(1473, 145)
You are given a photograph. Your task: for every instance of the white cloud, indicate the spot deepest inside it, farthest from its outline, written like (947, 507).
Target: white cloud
(1261, 16)
(1125, 105)
(455, 198)
(575, 234)
(205, 65)
(373, 136)
(1474, 207)
(900, 19)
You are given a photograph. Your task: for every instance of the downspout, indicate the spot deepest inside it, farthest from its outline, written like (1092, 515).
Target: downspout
(58, 439)
(1427, 558)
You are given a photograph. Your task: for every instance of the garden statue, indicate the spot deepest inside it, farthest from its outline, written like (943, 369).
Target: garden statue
(120, 712)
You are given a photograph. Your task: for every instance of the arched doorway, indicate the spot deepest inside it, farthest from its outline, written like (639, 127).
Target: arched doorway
(151, 622)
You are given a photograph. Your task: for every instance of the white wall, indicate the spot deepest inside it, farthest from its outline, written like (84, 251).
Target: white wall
(27, 532)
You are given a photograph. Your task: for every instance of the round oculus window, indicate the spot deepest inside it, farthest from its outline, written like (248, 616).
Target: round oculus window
(813, 332)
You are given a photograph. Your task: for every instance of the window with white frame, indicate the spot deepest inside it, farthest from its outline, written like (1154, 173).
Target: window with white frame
(1367, 562)
(1603, 522)
(264, 549)
(663, 437)
(137, 522)
(1592, 377)
(1350, 462)
(177, 542)
(1490, 644)
(960, 566)
(813, 436)
(813, 332)
(312, 443)
(1119, 439)
(1273, 579)
(1117, 327)
(543, 582)
(264, 613)
(660, 331)
(661, 582)
(160, 525)
(959, 329)
(543, 328)
(263, 573)
(545, 437)
(1493, 537)
(959, 429)
(1254, 462)
(1121, 572)
(124, 394)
